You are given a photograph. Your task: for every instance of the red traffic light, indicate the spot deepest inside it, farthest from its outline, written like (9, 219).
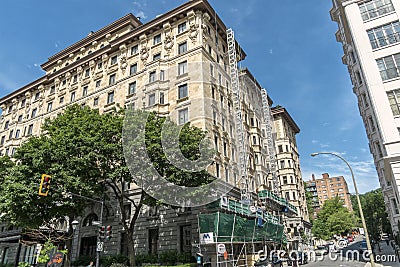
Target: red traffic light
(44, 185)
(108, 232)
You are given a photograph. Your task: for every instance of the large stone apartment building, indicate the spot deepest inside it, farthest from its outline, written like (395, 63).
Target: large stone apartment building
(370, 35)
(176, 65)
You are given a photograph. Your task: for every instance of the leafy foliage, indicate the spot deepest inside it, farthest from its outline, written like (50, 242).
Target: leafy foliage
(374, 211)
(333, 219)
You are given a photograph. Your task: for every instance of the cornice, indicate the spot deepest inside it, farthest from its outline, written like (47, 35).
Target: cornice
(283, 112)
(128, 19)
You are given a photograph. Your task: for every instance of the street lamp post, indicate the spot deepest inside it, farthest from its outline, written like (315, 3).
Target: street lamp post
(371, 255)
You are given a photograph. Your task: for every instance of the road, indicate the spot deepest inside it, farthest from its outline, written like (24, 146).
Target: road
(349, 257)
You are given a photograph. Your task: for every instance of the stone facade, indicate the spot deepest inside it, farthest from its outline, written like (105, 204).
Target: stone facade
(176, 65)
(290, 178)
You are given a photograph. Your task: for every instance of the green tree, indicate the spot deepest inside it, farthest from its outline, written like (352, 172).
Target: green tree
(374, 211)
(83, 151)
(333, 219)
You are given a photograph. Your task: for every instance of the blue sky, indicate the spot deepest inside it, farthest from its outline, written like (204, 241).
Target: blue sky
(291, 50)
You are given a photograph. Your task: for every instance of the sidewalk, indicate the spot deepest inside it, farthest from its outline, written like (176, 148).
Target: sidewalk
(386, 256)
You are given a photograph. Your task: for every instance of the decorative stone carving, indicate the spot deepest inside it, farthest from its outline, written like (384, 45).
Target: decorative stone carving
(168, 43)
(193, 32)
(122, 62)
(144, 51)
(104, 58)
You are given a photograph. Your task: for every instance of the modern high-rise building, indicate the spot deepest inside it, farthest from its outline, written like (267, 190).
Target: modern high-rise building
(370, 34)
(177, 65)
(326, 188)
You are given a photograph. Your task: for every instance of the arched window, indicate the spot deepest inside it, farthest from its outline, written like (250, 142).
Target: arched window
(88, 221)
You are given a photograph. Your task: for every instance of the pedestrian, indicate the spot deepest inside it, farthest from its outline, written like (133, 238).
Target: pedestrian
(90, 264)
(387, 242)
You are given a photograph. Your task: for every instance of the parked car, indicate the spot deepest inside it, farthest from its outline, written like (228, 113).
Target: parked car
(301, 258)
(267, 262)
(362, 247)
(321, 251)
(350, 239)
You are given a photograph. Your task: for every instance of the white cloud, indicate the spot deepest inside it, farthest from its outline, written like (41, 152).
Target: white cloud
(141, 15)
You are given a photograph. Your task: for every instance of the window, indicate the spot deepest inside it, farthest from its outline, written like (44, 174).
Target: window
(99, 65)
(75, 78)
(3, 138)
(388, 66)
(211, 70)
(17, 133)
(87, 72)
(95, 101)
(394, 101)
(384, 35)
(395, 207)
(217, 169)
(37, 95)
(162, 75)
(23, 102)
(133, 69)
(52, 89)
(280, 148)
(111, 80)
(134, 50)
(157, 39)
(98, 83)
(182, 27)
(33, 114)
(61, 100)
(20, 118)
(85, 91)
(132, 88)
(371, 124)
(110, 97)
(30, 129)
(183, 116)
(182, 48)
(157, 57)
(49, 106)
(364, 100)
(152, 99)
(378, 149)
(182, 91)
(359, 79)
(64, 82)
(182, 68)
(72, 97)
(114, 60)
(186, 238)
(152, 76)
(162, 101)
(375, 8)
(284, 180)
(282, 163)
(10, 135)
(153, 241)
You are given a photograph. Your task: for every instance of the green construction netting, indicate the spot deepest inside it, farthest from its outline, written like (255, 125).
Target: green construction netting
(231, 227)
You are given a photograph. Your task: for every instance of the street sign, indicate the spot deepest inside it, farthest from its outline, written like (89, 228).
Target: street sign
(221, 248)
(207, 238)
(100, 246)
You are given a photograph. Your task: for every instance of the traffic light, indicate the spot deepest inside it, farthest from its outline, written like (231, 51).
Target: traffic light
(108, 232)
(44, 185)
(102, 232)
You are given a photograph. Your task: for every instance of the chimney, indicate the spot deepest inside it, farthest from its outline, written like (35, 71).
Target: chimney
(325, 175)
(312, 177)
